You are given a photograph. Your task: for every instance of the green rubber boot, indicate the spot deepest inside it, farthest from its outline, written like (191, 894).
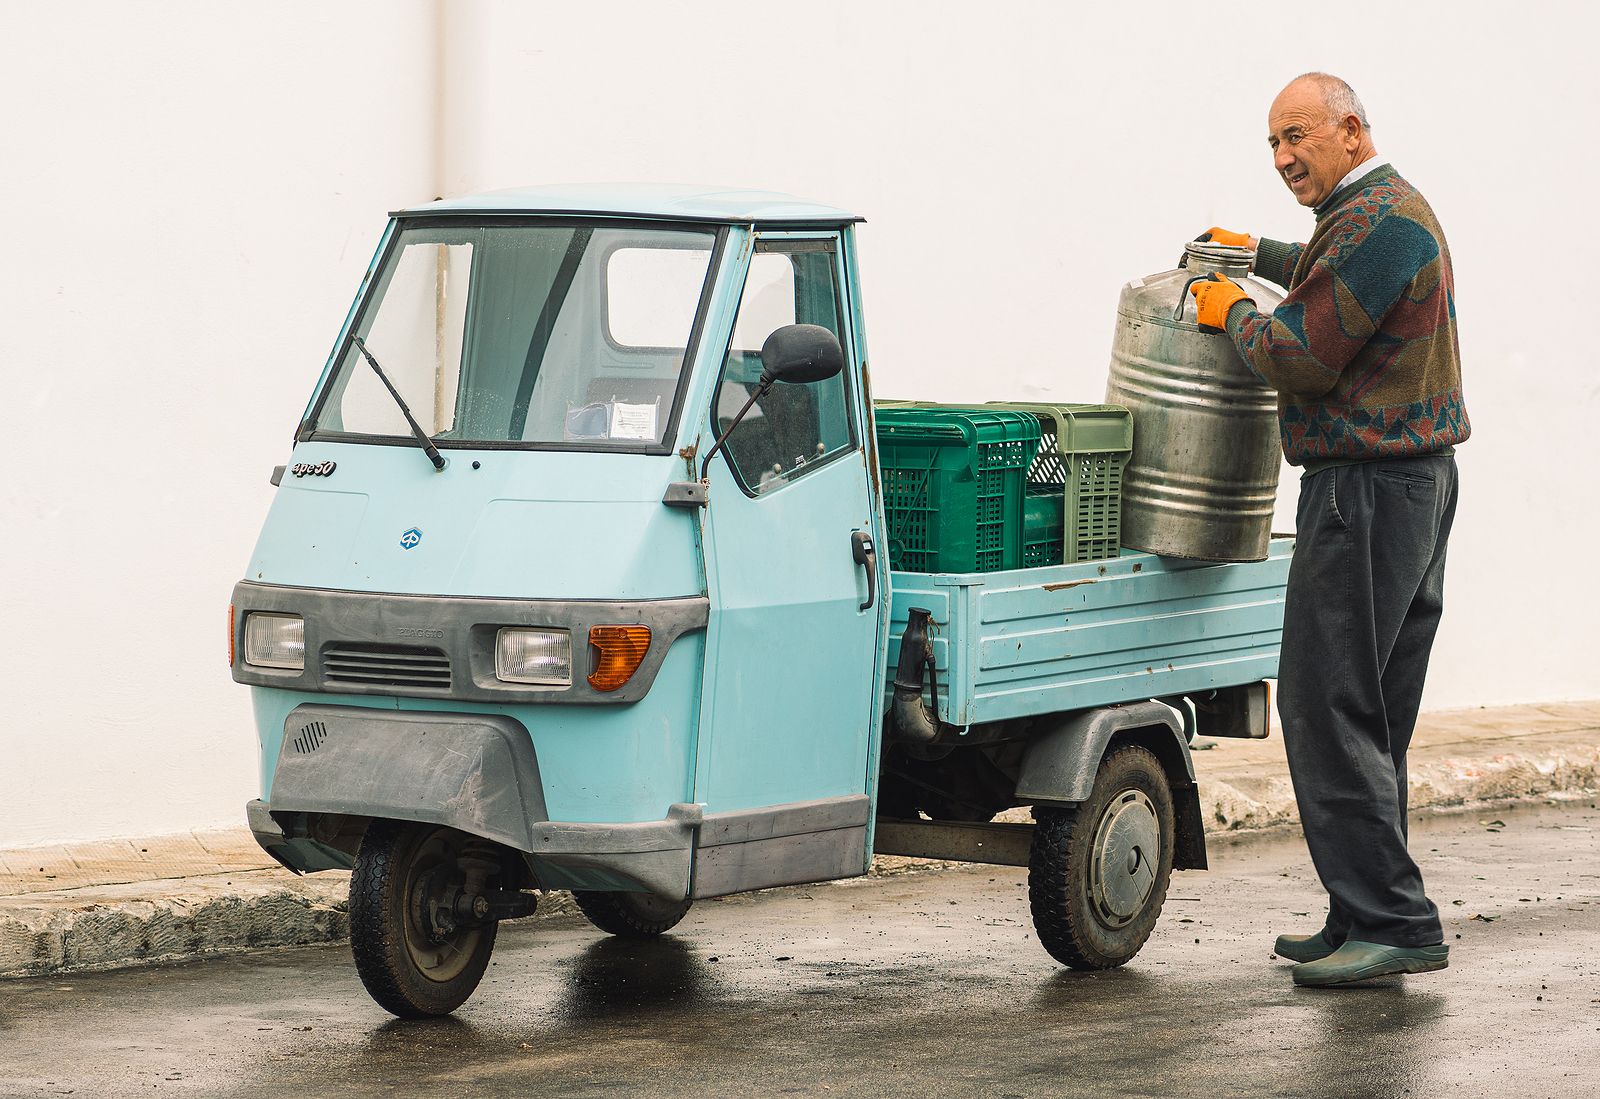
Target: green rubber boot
(1358, 961)
(1303, 948)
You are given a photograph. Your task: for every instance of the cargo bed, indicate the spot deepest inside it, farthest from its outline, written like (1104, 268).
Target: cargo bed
(1068, 637)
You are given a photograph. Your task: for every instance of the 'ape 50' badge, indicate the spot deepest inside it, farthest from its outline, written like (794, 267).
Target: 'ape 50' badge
(410, 538)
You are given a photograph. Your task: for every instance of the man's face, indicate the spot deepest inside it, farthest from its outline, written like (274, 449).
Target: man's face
(1311, 151)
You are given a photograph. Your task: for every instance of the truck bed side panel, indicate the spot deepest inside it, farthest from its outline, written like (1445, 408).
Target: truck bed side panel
(1067, 637)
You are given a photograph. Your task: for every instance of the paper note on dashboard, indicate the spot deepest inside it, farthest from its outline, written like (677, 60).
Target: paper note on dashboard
(633, 421)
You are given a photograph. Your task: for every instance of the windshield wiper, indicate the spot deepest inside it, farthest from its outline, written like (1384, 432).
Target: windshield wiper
(416, 429)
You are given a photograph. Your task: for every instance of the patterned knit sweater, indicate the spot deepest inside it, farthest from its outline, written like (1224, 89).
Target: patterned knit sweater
(1363, 349)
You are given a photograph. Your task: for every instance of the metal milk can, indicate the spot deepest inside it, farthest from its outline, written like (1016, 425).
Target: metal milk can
(1203, 475)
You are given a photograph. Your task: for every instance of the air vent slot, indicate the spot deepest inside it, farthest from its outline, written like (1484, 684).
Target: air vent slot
(358, 664)
(310, 738)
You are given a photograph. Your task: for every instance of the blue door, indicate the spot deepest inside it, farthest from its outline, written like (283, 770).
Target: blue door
(791, 669)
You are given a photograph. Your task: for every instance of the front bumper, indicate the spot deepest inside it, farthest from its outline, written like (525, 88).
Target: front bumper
(651, 857)
(300, 853)
(339, 767)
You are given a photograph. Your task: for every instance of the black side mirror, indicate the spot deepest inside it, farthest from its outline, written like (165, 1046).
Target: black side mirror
(800, 353)
(795, 353)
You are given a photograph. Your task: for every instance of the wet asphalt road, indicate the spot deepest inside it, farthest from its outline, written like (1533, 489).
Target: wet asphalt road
(927, 985)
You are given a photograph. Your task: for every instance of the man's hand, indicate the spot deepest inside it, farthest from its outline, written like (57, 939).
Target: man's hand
(1218, 235)
(1213, 299)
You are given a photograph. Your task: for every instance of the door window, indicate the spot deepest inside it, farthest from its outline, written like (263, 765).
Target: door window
(794, 428)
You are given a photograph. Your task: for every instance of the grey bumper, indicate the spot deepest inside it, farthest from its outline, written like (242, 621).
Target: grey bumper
(299, 853)
(470, 771)
(654, 856)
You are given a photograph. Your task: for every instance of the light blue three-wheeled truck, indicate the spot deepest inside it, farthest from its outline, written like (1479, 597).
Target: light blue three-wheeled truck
(576, 579)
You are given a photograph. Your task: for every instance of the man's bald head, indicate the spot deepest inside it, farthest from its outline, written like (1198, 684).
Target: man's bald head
(1318, 131)
(1339, 97)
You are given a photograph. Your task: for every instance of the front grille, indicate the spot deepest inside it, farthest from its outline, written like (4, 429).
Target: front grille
(364, 665)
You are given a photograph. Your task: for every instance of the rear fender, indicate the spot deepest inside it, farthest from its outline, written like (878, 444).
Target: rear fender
(1061, 761)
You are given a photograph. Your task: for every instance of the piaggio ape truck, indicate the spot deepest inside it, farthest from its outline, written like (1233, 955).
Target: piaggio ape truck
(576, 579)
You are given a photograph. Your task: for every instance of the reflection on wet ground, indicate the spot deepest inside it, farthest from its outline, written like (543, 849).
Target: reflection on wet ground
(616, 979)
(928, 985)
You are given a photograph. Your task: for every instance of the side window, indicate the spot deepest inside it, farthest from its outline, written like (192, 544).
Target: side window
(794, 428)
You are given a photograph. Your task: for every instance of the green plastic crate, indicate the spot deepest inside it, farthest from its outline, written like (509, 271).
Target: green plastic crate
(1041, 526)
(1084, 450)
(954, 484)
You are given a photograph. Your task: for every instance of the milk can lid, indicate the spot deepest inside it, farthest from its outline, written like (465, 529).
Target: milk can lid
(1226, 258)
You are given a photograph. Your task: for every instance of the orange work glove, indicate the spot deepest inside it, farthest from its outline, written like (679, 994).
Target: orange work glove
(1213, 299)
(1218, 235)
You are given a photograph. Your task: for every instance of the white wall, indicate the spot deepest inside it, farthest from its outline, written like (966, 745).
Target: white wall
(198, 198)
(193, 192)
(1018, 162)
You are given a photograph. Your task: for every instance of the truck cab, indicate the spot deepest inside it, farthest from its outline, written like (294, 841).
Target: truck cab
(572, 581)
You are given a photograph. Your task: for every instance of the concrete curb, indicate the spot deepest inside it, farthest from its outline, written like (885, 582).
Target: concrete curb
(117, 926)
(1267, 801)
(180, 918)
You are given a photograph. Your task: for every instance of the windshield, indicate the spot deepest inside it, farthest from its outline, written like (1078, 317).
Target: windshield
(537, 334)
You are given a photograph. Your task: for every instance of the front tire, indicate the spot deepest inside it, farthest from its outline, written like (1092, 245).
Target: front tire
(417, 957)
(1098, 872)
(631, 915)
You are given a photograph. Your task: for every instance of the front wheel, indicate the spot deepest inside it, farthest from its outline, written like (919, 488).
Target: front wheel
(631, 915)
(418, 946)
(1098, 872)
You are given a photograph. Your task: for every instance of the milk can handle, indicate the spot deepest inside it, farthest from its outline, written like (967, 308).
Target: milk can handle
(1183, 295)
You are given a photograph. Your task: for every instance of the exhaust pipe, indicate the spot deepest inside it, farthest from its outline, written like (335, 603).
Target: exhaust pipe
(914, 721)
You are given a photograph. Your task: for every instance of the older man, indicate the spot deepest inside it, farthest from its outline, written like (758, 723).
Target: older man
(1364, 357)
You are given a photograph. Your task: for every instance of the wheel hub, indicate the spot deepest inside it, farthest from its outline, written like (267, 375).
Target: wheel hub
(1123, 861)
(438, 944)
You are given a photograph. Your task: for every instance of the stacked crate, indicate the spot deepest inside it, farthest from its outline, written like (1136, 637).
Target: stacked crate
(954, 483)
(971, 489)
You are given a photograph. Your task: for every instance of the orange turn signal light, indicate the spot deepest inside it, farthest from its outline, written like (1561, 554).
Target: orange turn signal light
(620, 651)
(230, 635)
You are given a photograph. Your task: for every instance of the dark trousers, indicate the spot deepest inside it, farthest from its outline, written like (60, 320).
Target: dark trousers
(1366, 588)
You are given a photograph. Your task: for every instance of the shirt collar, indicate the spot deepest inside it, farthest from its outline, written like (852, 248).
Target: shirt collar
(1358, 171)
(1355, 175)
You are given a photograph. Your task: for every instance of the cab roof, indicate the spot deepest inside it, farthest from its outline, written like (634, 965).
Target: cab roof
(652, 201)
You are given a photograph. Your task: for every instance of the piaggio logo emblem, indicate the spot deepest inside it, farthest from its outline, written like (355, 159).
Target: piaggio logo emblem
(410, 538)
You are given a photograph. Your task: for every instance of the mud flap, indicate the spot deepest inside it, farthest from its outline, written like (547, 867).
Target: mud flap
(473, 772)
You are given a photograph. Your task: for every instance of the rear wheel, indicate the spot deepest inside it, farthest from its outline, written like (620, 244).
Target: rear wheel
(418, 946)
(631, 915)
(1098, 872)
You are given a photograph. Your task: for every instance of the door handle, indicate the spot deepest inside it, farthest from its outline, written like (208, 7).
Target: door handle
(862, 549)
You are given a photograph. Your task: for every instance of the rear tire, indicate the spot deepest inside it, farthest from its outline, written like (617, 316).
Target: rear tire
(1098, 872)
(631, 915)
(415, 957)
